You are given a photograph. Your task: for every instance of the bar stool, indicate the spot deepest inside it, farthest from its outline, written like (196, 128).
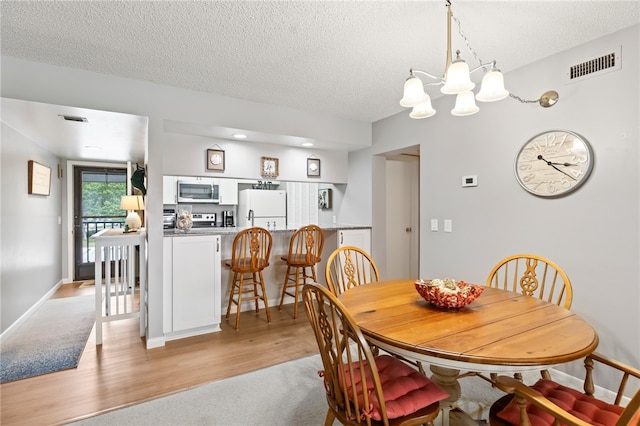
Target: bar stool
(305, 249)
(250, 255)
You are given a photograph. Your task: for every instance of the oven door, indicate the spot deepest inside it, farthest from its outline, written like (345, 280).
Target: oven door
(198, 192)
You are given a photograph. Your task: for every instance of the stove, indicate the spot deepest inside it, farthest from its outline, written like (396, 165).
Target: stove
(204, 220)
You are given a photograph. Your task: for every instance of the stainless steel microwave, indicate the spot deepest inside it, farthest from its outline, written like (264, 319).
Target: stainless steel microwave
(198, 191)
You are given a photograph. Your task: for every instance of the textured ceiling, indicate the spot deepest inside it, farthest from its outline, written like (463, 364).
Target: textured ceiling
(347, 59)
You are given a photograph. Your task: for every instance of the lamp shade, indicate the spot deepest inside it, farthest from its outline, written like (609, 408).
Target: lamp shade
(492, 88)
(423, 110)
(465, 104)
(131, 202)
(413, 93)
(458, 79)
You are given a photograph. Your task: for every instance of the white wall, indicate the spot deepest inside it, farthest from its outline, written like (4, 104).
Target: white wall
(593, 234)
(30, 236)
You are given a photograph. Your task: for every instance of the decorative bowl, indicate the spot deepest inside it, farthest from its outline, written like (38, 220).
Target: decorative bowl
(448, 293)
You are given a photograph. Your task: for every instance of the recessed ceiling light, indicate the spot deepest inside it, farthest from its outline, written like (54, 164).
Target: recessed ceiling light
(97, 148)
(307, 144)
(239, 136)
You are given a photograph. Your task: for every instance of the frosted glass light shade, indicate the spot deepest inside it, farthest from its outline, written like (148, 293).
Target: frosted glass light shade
(465, 104)
(492, 88)
(458, 79)
(413, 93)
(423, 110)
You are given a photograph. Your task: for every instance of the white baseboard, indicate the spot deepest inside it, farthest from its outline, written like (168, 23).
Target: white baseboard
(5, 335)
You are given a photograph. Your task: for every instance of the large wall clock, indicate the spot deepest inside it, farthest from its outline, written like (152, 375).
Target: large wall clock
(554, 163)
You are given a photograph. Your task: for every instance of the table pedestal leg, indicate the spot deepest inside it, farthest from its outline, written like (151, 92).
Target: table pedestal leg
(447, 379)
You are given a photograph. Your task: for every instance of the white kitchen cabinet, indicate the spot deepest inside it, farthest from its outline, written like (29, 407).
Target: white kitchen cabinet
(169, 189)
(355, 237)
(193, 302)
(228, 191)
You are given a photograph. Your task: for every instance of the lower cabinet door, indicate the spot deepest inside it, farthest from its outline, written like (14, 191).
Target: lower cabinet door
(196, 282)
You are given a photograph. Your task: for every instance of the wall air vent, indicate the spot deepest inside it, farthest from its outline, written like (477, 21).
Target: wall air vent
(596, 66)
(74, 118)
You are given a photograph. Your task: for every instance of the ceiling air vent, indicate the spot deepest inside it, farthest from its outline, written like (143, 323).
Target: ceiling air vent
(73, 118)
(596, 66)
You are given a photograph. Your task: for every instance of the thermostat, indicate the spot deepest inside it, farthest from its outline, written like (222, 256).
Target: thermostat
(469, 181)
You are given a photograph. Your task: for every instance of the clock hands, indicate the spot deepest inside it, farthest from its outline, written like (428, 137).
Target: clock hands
(549, 163)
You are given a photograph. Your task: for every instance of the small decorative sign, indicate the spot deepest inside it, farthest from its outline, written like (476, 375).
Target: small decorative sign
(215, 159)
(313, 167)
(39, 179)
(324, 198)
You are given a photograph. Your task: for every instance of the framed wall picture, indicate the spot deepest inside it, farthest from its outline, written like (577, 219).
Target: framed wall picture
(313, 167)
(215, 159)
(269, 167)
(324, 198)
(39, 178)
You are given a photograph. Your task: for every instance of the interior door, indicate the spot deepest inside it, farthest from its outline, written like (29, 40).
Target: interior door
(402, 218)
(96, 206)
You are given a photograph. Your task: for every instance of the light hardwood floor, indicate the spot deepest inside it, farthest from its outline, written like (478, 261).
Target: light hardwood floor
(123, 372)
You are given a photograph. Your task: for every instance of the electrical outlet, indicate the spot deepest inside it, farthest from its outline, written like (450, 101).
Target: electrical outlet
(434, 225)
(448, 225)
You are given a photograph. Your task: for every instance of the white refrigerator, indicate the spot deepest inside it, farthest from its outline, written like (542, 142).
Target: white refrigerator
(262, 207)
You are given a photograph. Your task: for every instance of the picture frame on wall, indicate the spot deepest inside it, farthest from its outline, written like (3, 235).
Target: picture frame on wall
(269, 167)
(39, 180)
(215, 159)
(313, 167)
(324, 198)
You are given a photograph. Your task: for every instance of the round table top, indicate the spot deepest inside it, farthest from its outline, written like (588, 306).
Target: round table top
(500, 328)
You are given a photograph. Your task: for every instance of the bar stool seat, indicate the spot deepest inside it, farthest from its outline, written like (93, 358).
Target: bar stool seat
(305, 251)
(250, 255)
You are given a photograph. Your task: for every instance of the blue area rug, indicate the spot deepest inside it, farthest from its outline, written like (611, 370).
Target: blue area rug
(52, 339)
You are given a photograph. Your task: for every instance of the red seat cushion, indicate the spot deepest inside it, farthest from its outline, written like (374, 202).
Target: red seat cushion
(405, 389)
(587, 408)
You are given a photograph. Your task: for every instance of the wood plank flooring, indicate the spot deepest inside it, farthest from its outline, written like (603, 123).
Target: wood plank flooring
(123, 372)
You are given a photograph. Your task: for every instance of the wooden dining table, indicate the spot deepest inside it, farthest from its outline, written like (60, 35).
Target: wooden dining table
(500, 332)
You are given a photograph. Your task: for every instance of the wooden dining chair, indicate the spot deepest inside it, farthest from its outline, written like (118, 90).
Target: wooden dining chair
(250, 256)
(350, 266)
(362, 388)
(305, 251)
(549, 403)
(533, 276)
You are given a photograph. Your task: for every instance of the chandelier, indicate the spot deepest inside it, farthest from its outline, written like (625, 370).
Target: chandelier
(456, 80)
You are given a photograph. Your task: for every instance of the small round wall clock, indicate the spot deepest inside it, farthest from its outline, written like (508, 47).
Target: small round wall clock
(554, 163)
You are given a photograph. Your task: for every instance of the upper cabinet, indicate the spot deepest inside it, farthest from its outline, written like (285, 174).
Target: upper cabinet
(169, 190)
(228, 191)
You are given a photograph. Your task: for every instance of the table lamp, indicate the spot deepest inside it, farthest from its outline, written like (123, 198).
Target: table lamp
(132, 203)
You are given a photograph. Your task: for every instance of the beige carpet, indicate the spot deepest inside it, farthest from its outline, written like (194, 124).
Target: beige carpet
(291, 393)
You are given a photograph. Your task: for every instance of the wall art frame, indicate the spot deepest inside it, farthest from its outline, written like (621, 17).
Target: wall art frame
(313, 167)
(39, 180)
(324, 198)
(269, 167)
(215, 160)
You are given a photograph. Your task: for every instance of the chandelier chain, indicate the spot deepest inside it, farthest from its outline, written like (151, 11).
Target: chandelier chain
(524, 101)
(466, 40)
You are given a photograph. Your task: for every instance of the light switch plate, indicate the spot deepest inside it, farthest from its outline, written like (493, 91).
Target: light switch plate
(448, 226)
(434, 225)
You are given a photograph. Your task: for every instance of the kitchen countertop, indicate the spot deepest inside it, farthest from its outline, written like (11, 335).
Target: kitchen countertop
(235, 230)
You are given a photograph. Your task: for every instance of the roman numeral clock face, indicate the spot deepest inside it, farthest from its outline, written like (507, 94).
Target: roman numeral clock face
(554, 163)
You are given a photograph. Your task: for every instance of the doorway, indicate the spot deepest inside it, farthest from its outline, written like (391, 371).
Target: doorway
(402, 215)
(96, 206)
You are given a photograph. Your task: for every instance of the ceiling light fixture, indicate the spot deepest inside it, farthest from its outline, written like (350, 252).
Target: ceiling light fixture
(306, 144)
(239, 136)
(456, 80)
